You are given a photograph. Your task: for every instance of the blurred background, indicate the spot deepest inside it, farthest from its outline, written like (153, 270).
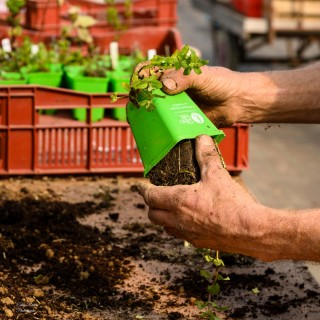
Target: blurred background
(283, 158)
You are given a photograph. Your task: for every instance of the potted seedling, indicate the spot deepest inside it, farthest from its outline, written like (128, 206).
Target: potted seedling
(10, 73)
(165, 126)
(43, 67)
(92, 78)
(83, 72)
(10, 68)
(120, 74)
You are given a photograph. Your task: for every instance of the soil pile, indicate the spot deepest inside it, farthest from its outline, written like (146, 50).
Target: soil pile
(84, 249)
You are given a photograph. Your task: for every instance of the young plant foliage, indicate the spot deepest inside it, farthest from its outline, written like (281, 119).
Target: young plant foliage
(143, 86)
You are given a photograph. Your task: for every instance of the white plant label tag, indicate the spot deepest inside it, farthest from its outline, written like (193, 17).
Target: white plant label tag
(151, 53)
(6, 45)
(114, 54)
(34, 49)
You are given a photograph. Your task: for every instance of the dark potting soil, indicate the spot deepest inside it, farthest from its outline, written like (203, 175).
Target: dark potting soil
(84, 249)
(179, 166)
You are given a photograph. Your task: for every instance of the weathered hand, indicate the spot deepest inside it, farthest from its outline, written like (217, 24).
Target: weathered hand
(214, 213)
(215, 91)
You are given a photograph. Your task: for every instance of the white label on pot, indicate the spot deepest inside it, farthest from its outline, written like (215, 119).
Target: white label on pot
(151, 53)
(6, 45)
(114, 54)
(197, 117)
(34, 49)
(185, 119)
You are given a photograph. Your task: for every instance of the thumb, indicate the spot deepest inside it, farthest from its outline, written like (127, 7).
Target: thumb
(174, 81)
(207, 156)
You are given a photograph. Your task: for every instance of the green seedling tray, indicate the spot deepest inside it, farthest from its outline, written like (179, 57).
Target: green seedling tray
(115, 85)
(174, 119)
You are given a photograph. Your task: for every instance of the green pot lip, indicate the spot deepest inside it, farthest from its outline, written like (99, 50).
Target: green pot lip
(81, 77)
(53, 68)
(12, 75)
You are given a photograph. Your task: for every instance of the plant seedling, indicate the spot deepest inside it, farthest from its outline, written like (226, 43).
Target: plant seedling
(144, 86)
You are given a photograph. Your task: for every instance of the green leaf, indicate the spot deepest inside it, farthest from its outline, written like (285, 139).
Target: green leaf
(256, 290)
(221, 278)
(197, 70)
(214, 289)
(114, 97)
(206, 274)
(201, 305)
(126, 86)
(218, 262)
(145, 86)
(208, 257)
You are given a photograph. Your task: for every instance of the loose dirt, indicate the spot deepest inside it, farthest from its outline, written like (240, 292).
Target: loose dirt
(83, 248)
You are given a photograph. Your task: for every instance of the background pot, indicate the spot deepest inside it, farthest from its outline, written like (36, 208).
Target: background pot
(51, 78)
(8, 78)
(81, 83)
(115, 85)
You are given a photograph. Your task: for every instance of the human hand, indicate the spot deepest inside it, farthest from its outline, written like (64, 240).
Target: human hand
(214, 213)
(216, 90)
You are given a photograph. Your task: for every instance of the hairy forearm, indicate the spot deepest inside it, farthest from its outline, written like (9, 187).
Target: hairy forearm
(290, 96)
(293, 235)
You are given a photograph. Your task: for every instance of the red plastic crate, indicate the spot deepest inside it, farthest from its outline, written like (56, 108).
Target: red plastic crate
(49, 15)
(164, 40)
(235, 147)
(249, 8)
(35, 143)
(42, 14)
(165, 10)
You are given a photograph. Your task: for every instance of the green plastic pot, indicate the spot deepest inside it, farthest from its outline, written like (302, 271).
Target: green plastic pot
(81, 83)
(70, 72)
(50, 78)
(115, 85)
(12, 78)
(174, 119)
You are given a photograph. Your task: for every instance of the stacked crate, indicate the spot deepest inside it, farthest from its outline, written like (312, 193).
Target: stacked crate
(35, 142)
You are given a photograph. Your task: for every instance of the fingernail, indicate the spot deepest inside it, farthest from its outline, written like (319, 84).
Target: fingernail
(169, 83)
(205, 140)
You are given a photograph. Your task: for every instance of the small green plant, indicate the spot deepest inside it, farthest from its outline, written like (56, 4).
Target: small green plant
(210, 308)
(39, 61)
(16, 59)
(142, 88)
(97, 66)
